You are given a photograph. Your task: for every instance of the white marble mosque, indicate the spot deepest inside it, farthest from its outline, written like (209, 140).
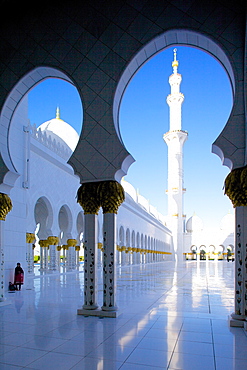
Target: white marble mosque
(175, 309)
(48, 225)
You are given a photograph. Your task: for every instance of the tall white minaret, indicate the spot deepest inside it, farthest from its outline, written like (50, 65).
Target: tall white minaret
(175, 139)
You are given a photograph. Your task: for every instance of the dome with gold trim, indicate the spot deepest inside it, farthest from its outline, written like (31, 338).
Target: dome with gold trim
(61, 131)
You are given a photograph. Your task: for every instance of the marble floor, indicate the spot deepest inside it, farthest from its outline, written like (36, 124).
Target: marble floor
(172, 317)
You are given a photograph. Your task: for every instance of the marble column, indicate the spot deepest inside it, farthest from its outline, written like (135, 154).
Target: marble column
(118, 255)
(239, 317)
(30, 238)
(133, 251)
(65, 255)
(236, 190)
(87, 197)
(123, 255)
(111, 196)
(138, 257)
(5, 208)
(71, 253)
(77, 253)
(44, 247)
(52, 242)
(59, 247)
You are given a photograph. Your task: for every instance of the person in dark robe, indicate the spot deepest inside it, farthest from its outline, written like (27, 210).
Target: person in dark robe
(19, 276)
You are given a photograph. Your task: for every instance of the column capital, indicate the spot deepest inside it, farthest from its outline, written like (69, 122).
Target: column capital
(65, 247)
(111, 195)
(30, 237)
(236, 186)
(87, 197)
(77, 248)
(44, 243)
(71, 242)
(52, 240)
(5, 206)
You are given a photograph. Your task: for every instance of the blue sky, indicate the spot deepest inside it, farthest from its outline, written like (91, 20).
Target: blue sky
(144, 118)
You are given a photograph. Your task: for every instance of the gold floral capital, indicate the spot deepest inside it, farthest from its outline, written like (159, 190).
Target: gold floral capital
(236, 186)
(5, 206)
(77, 248)
(71, 242)
(44, 243)
(106, 194)
(30, 237)
(111, 195)
(52, 240)
(87, 197)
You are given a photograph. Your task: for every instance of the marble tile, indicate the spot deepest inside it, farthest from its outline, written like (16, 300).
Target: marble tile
(53, 360)
(114, 353)
(166, 344)
(230, 364)
(97, 364)
(160, 325)
(185, 361)
(198, 348)
(148, 357)
(21, 356)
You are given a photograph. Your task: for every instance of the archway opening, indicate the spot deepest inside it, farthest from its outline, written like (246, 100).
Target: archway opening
(144, 119)
(37, 146)
(55, 111)
(15, 109)
(64, 221)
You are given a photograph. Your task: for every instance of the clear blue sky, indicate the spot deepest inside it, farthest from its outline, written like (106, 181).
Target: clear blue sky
(144, 118)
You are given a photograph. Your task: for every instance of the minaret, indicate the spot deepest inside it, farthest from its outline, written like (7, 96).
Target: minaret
(175, 139)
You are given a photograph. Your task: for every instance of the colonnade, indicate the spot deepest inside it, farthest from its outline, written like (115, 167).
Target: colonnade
(133, 255)
(50, 254)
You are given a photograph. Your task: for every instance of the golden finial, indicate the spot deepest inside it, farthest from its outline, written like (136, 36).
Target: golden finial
(58, 113)
(175, 61)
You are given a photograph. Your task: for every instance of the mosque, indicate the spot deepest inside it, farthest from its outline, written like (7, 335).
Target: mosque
(174, 314)
(48, 223)
(47, 208)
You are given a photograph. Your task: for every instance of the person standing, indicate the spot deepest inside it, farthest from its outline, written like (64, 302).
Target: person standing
(19, 276)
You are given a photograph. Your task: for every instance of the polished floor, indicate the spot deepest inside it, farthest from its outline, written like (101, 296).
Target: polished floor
(172, 317)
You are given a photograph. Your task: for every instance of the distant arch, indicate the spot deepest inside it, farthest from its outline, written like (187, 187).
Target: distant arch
(80, 226)
(43, 215)
(9, 174)
(127, 238)
(121, 236)
(133, 239)
(138, 239)
(65, 223)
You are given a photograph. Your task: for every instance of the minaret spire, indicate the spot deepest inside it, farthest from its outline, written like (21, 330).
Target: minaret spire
(58, 113)
(175, 139)
(175, 62)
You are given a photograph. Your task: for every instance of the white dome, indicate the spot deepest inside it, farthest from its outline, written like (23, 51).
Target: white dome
(128, 188)
(59, 129)
(194, 224)
(228, 223)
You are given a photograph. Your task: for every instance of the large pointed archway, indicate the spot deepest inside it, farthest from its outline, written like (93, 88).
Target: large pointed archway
(9, 173)
(228, 147)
